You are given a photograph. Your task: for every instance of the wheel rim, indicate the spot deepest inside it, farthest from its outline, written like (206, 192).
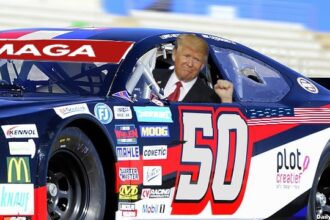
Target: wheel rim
(67, 187)
(322, 196)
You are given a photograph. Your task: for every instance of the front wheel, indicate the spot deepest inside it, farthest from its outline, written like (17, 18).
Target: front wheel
(319, 198)
(76, 186)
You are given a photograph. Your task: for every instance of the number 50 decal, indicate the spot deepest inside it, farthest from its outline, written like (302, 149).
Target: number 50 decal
(214, 161)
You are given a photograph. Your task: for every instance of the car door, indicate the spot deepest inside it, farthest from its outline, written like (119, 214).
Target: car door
(205, 147)
(203, 160)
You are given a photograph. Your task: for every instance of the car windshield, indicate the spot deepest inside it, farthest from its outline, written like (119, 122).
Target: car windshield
(55, 77)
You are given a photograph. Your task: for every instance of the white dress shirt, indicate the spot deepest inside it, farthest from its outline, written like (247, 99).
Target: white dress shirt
(171, 85)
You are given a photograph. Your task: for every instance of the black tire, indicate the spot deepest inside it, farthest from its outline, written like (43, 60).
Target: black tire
(76, 187)
(319, 197)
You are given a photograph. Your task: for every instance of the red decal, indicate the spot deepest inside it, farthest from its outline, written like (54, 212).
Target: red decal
(40, 203)
(231, 156)
(13, 34)
(65, 50)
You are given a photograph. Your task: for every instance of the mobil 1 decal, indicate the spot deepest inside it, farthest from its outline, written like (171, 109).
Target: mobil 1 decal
(215, 160)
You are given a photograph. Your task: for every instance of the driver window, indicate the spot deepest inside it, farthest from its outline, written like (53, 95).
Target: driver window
(147, 81)
(207, 76)
(141, 83)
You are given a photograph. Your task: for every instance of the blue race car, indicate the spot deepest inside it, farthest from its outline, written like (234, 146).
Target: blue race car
(86, 132)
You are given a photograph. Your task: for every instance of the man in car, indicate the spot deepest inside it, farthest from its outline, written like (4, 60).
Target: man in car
(184, 84)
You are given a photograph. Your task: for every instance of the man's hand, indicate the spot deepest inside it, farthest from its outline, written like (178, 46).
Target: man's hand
(224, 90)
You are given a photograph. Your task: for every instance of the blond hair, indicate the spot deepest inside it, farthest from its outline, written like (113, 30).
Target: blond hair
(193, 41)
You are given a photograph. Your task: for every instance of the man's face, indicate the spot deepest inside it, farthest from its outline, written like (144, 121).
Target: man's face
(188, 62)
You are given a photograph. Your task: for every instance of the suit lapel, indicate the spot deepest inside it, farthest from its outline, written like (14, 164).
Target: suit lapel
(193, 92)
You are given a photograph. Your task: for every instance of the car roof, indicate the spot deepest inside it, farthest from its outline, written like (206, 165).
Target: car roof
(116, 33)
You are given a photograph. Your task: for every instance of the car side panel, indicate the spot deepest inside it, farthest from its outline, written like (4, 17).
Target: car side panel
(219, 163)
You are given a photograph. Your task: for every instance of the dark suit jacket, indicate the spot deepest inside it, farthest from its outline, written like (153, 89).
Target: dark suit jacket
(199, 92)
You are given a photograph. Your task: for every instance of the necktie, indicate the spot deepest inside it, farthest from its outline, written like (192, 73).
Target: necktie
(174, 96)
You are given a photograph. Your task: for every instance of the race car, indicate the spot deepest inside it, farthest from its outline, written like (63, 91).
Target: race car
(86, 132)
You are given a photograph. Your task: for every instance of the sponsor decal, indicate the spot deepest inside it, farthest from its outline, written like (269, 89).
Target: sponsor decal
(20, 131)
(307, 85)
(128, 192)
(122, 112)
(53, 50)
(129, 206)
(153, 208)
(148, 193)
(17, 218)
(126, 134)
(129, 213)
(65, 50)
(123, 95)
(152, 175)
(127, 209)
(18, 169)
(22, 148)
(153, 114)
(16, 198)
(103, 113)
(154, 131)
(155, 152)
(70, 110)
(166, 36)
(128, 174)
(128, 152)
(218, 38)
(291, 166)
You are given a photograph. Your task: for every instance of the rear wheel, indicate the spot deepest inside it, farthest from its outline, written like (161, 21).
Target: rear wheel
(319, 198)
(76, 186)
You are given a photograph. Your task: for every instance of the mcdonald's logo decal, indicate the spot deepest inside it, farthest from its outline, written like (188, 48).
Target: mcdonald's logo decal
(18, 169)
